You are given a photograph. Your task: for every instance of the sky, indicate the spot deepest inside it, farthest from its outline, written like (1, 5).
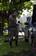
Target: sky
(26, 13)
(33, 1)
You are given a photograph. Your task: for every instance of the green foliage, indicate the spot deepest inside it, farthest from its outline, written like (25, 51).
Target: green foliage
(28, 5)
(15, 5)
(4, 6)
(5, 48)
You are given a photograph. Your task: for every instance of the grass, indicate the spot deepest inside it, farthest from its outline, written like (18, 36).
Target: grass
(5, 48)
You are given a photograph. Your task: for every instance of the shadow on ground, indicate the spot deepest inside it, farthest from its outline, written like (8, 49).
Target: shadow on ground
(22, 53)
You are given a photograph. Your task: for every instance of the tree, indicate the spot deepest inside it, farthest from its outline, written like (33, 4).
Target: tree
(16, 5)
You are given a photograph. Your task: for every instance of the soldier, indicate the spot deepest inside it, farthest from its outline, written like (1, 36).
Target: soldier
(13, 29)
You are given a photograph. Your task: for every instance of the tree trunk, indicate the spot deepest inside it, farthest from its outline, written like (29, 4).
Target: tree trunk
(34, 24)
(34, 15)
